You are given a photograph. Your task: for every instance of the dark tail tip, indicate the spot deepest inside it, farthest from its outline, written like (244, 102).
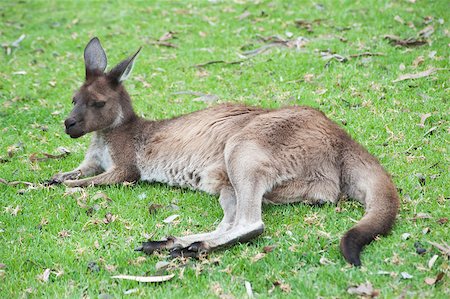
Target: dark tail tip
(351, 246)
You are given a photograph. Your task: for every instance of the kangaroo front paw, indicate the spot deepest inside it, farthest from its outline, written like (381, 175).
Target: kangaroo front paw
(62, 177)
(152, 246)
(195, 250)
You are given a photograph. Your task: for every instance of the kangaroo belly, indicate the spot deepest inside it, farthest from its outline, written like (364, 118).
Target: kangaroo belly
(208, 177)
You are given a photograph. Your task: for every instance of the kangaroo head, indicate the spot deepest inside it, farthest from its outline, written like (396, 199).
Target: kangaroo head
(102, 102)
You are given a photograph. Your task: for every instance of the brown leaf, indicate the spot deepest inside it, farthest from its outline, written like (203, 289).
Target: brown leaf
(12, 211)
(408, 42)
(427, 31)
(418, 75)
(244, 15)
(444, 248)
(145, 278)
(257, 257)
(101, 195)
(171, 218)
(12, 150)
(432, 261)
(399, 19)
(110, 268)
(64, 234)
(109, 218)
(44, 276)
(364, 289)
(418, 61)
(152, 208)
(269, 248)
(283, 286)
(307, 25)
(167, 36)
(442, 220)
(423, 118)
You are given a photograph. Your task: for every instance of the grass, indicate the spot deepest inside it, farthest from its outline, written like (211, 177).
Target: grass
(45, 228)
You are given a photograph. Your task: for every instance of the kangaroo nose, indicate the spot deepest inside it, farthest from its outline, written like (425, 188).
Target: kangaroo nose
(70, 122)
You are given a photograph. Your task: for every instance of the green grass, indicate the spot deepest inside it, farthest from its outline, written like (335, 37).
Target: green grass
(51, 231)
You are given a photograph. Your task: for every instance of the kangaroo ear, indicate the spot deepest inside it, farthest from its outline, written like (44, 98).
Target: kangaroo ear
(121, 71)
(94, 57)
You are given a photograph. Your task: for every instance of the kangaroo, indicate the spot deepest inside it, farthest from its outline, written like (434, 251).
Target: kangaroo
(246, 155)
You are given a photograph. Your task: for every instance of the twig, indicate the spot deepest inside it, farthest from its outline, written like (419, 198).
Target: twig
(217, 62)
(445, 248)
(366, 54)
(162, 43)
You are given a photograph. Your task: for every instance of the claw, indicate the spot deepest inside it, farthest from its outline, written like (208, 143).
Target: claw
(195, 250)
(51, 182)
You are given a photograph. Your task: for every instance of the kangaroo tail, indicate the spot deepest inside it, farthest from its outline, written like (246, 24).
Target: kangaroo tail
(369, 183)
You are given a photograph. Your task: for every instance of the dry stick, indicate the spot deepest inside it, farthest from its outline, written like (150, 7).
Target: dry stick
(162, 43)
(216, 62)
(445, 248)
(419, 75)
(366, 54)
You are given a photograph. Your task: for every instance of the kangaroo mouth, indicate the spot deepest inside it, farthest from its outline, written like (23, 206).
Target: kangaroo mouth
(74, 132)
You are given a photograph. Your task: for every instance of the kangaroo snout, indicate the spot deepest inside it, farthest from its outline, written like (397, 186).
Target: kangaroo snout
(73, 128)
(70, 122)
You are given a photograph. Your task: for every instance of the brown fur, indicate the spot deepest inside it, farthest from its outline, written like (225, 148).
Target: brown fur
(245, 154)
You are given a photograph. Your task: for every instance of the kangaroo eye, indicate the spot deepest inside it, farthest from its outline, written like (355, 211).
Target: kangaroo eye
(98, 104)
(73, 101)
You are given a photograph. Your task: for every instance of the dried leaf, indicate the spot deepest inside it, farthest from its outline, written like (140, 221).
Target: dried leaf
(152, 208)
(364, 289)
(283, 286)
(406, 275)
(432, 281)
(422, 216)
(145, 278)
(432, 261)
(130, 291)
(258, 256)
(442, 220)
(244, 15)
(12, 211)
(101, 195)
(406, 236)
(110, 268)
(427, 31)
(248, 289)
(267, 249)
(64, 234)
(161, 265)
(207, 98)
(423, 118)
(324, 261)
(171, 218)
(109, 218)
(399, 19)
(418, 61)
(418, 75)
(45, 276)
(167, 36)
